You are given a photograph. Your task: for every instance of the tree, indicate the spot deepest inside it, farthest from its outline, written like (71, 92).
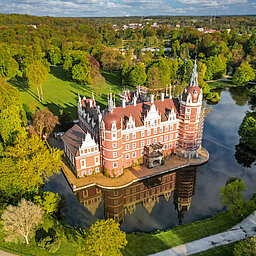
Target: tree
(99, 83)
(138, 75)
(20, 221)
(243, 74)
(44, 122)
(37, 74)
(246, 247)
(26, 165)
(48, 201)
(232, 196)
(104, 238)
(153, 78)
(81, 71)
(12, 114)
(247, 130)
(111, 60)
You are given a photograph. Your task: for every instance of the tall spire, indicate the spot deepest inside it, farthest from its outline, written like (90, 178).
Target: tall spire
(111, 104)
(193, 81)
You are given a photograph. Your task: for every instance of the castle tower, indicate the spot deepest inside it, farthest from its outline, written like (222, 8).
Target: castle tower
(191, 118)
(184, 190)
(113, 204)
(111, 141)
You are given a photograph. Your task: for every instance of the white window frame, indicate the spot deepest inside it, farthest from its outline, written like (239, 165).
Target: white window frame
(161, 129)
(142, 143)
(167, 128)
(83, 163)
(148, 142)
(149, 132)
(127, 147)
(134, 135)
(161, 139)
(127, 136)
(114, 145)
(115, 165)
(133, 145)
(155, 130)
(114, 154)
(171, 136)
(127, 156)
(155, 140)
(166, 137)
(142, 133)
(133, 154)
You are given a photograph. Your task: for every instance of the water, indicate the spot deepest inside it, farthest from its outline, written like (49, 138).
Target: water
(179, 197)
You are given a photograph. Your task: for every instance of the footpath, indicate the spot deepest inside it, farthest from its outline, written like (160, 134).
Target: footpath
(246, 228)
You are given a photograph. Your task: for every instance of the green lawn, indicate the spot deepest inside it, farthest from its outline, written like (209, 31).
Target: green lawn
(59, 93)
(223, 250)
(145, 244)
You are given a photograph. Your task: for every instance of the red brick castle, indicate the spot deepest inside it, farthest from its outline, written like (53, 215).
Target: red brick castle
(140, 131)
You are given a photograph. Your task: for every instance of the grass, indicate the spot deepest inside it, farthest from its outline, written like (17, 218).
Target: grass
(145, 244)
(70, 236)
(223, 250)
(60, 93)
(221, 84)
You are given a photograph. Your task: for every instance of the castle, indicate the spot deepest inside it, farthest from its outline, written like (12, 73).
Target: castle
(140, 131)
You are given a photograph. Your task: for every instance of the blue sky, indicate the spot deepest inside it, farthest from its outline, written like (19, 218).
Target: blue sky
(89, 8)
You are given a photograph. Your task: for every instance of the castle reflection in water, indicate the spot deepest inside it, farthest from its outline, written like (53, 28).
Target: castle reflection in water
(117, 203)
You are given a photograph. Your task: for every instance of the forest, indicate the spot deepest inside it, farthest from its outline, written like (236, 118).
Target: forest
(92, 55)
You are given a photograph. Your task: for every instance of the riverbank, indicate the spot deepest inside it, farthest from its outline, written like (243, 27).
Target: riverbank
(132, 174)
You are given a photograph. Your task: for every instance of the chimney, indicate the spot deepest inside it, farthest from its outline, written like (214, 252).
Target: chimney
(152, 98)
(90, 102)
(162, 96)
(135, 101)
(123, 103)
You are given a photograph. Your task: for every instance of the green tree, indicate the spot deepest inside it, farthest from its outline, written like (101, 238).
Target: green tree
(48, 201)
(153, 78)
(232, 196)
(20, 221)
(247, 130)
(243, 74)
(12, 114)
(104, 238)
(81, 71)
(27, 165)
(55, 55)
(37, 74)
(138, 75)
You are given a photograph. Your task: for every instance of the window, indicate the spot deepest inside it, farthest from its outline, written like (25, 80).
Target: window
(155, 130)
(170, 145)
(176, 135)
(134, 189)
(166, 137)
(82, 151)
(113, 126)
(116, 193)
(97, 160)
(166, 128)
(133, 154)
(115, 202)
(127, 147)
(142, 143)
(114, 135)
(127, 136)
(114, 154)
(134, 145)
(134, 135)
(142, 152)
(141, 195)
(176, 143)
(148, 142)
(142, 134)
(88, 150)
(83, 163)
(141, 187)
(188, 110)
(187, 117)
(161, 129)
(161, 139)
(186, 127)
(128, 200)
(127, 191)
(171, 127)
(127, 156)
(97, 169)
(115, 165)
(171, 136)
(165, 146)
(116, 211)
(84, 173)
(90, 171)
(149, 132)
(155, 141)
(155, 121)
(114, 145)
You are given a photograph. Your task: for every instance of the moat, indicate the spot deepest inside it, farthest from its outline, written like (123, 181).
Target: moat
(185, 195)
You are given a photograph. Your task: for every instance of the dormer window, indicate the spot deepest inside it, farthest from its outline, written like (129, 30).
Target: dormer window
(113, 126)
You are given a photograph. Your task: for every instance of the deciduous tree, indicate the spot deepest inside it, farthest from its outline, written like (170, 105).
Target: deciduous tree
(104, 238)
(20, 221)
(37, 74)
(243, 74)
(44, 121)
